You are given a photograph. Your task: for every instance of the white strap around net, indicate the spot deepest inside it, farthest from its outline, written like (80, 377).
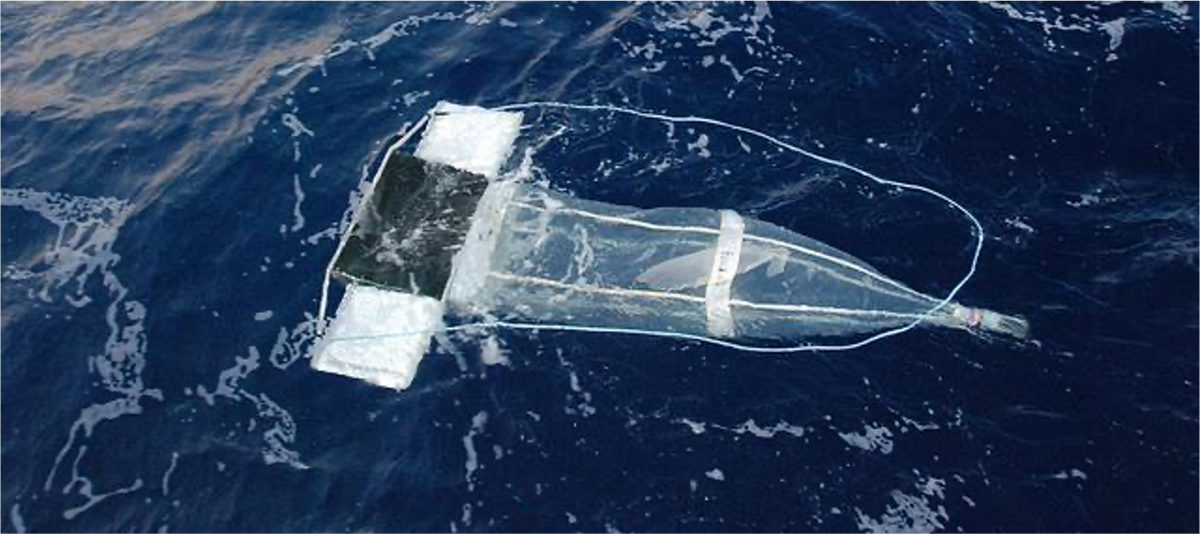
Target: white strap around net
(724, 269)
(942, 303)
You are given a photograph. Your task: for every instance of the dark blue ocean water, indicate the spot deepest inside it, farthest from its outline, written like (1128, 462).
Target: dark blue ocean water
(174, 177)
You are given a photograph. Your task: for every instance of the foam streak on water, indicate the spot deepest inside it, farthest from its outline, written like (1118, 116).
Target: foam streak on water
(81, 252)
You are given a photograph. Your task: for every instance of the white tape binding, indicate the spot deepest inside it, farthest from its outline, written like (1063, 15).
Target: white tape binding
(724, 268)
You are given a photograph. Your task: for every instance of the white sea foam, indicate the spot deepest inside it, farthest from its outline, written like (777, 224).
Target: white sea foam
(412, 97)
(700, 146)
(910, 513)
(1179, 9)
(1019, 224)
(298, 128)
(281, 435)
(14, 514)
(1073, 473)
(873, 438)
(1085, 200)
(695, 426)
(579, 402)
(737, 76)
(166, 479)
(473, 14)
(298, 216)
(1048, 25)
(295, 344)
(492, 354)
(477, 425)
(1051, 21)
(86, 489)
(1116, 33)
(748, 427)
(466, 514)
(87, 229)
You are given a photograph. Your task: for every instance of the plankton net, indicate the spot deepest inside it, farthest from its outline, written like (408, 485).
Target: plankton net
(443, 232)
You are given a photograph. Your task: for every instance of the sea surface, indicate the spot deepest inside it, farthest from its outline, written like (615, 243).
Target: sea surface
(175, 178)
